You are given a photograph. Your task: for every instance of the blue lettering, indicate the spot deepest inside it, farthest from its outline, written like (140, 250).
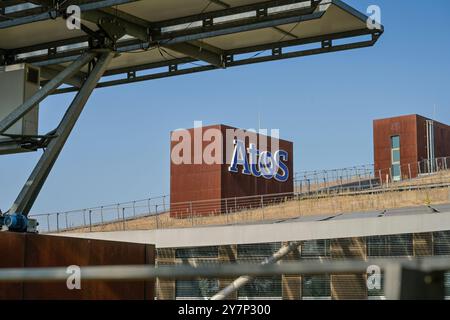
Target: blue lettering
(239, 158)
(281, 156)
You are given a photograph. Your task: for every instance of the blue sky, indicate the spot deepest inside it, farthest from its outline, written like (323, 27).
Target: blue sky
(325, 104)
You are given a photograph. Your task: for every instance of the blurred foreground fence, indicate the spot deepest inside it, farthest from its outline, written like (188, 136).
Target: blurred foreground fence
(330, 191)
(403, 278)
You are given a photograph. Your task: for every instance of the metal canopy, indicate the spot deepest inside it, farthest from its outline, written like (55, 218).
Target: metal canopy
(124, 41)
(183, 36)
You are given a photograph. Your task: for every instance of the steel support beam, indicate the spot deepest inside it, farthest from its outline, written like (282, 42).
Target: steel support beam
(52, 85)
(34, 184)
(50, 72)
(198, 53)
(230, 62)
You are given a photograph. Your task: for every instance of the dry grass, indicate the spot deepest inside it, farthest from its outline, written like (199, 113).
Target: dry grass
(290, 209)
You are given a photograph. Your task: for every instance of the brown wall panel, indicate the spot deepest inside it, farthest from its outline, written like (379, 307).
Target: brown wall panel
(114, 253)
(49, 251)
(33, 250)
(240, 185)
(413, 143)
(442, 140)
(13, 256)
(383, 130)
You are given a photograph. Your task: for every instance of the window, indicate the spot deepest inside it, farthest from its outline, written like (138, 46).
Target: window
(398, 245)
(316, 287)
(260, 250)
(401, 245)
(377, 246)
(441, 243)
(262, 288)
(395, 142)
(316, 249)
(447, 285)
(395, 158)
(196, 289)
(197, 252)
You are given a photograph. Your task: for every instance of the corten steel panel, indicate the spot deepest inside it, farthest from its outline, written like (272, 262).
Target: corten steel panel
(441, 138)
(12, 256)
(51, 251)
(240, 185)
(199, 188)
(48, 251)
(113, 253)
(413, 143)
(191, 182)
(383, 130)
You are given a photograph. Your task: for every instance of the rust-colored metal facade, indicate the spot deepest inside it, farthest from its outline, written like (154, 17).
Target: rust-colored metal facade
(413, 143)
(200, 189)
(32, 250)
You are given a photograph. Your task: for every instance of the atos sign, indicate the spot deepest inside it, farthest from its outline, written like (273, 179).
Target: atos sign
(259, 163)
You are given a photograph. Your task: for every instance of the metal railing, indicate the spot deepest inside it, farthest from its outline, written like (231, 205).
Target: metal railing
(160, 213)
(365, 176)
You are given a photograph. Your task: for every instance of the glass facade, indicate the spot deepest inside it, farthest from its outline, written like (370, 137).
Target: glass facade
(260, 250)
(260, 287)
(399, 245)
(441, 243)
(196, 289)
(316, 287)
(316, 249)
(308, 287)
(441, 247)
(198, 252)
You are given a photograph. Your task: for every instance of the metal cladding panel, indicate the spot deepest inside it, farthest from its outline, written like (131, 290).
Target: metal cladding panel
(51, 251)
(383, 130)
(413, 142)
(441, 138)
(240, 185)
(48, 251)
(199, 189)
(193, 182)
(13, 255)
(421, 138)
